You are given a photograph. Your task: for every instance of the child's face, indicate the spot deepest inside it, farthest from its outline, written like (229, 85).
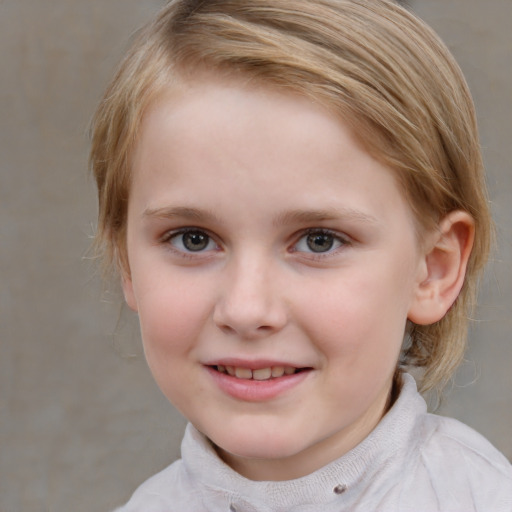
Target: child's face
(261, 236)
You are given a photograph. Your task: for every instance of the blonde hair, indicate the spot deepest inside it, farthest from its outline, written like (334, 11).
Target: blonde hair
(382, 69)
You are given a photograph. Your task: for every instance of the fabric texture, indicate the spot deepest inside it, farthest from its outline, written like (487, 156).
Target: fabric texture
(413, 461)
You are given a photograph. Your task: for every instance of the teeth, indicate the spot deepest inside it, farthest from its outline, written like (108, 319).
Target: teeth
(263, 374)
(277, 371)
(260, 374)
(243, 373)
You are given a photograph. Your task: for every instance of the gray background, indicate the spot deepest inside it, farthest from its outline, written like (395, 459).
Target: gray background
(81, 422)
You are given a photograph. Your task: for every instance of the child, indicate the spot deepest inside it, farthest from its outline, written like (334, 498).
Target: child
(292, 192)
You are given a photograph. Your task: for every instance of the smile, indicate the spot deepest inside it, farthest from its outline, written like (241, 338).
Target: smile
(265, 382)
(271, 372)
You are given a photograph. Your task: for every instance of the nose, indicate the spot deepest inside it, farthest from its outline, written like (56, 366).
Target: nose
(250, 303)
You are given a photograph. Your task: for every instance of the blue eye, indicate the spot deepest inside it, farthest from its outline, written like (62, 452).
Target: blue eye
(192, 241)
(319, 241)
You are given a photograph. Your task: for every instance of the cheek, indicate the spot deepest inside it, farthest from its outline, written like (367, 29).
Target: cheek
(362, 317)
(171, 318)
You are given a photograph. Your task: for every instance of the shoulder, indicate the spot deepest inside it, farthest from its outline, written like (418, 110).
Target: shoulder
(461, 468)
(450, 436)
(167, 491)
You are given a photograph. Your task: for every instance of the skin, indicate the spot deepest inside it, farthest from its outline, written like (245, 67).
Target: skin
(252, 172)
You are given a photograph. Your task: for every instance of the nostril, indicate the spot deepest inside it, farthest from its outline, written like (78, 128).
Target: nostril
(247, 331)
(227, 329)
(264, 328)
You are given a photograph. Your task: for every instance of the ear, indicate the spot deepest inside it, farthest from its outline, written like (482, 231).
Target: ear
(129, 295)
(123, 266)
(443, 268)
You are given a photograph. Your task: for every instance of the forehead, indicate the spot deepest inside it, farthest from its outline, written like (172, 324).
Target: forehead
(206, 105)
(219, 145)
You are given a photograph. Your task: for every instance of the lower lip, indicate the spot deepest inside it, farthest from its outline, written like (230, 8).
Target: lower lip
(251, 390)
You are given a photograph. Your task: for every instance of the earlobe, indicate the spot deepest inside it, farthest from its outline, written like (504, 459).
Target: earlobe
(443, 268)
(126, 278)
(129, 295)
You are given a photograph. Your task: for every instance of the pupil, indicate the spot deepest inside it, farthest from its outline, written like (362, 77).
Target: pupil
(320, 242)
(195, 241)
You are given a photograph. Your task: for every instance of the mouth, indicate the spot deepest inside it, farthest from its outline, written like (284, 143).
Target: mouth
(260, 374)
(257, 381)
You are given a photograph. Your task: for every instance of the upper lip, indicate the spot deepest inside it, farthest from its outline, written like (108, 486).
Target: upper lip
(256, 364)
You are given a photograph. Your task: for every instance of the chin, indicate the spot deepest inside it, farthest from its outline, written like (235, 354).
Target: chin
(260, 445)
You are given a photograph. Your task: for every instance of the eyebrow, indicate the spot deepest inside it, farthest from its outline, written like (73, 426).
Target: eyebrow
(183, 212)
(309, 216)
(290, 217)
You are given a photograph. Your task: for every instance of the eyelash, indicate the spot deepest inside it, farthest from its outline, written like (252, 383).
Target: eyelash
(172, 235)
(340, 240)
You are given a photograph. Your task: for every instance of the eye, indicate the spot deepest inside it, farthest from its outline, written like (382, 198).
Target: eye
(193, 240)
(319, 241)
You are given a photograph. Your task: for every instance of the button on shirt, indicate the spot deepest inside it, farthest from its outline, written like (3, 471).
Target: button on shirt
(412, 462)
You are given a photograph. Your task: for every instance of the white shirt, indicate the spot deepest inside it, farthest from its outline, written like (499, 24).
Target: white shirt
(411, 462)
